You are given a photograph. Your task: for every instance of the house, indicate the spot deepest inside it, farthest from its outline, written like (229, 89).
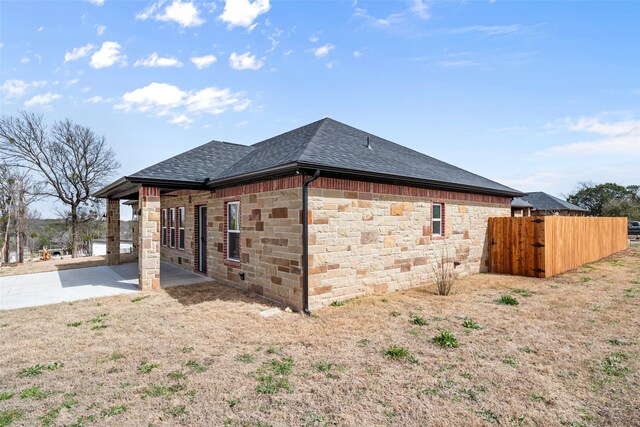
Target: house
(321, 213)
(546, 204)
(520, 207)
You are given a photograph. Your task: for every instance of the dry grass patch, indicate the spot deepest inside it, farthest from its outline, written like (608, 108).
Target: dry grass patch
(567, 354)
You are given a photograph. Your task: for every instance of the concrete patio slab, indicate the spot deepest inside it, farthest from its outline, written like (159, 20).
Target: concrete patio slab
(30, 290)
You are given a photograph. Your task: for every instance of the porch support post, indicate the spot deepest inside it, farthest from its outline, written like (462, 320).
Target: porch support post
(149, 238)
(113, 232)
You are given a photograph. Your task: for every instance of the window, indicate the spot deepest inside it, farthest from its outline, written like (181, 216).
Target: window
(233, 231)
(436, 220)
(172, 227)
(163, 235)
(181, 228)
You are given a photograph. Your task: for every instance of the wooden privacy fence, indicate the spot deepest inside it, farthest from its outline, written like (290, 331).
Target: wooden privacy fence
(544, 246)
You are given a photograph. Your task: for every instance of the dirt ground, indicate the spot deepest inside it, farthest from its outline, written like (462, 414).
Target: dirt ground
(567, 354)
(66, 263)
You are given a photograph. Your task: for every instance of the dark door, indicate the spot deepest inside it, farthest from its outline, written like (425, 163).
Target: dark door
(202, 239)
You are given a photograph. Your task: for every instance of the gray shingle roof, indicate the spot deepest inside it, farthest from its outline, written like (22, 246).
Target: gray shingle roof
(546, 202)
(206, 161)
(325, 143)
(518, 202)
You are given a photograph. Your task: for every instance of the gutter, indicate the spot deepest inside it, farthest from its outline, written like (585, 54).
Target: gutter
(305, 241)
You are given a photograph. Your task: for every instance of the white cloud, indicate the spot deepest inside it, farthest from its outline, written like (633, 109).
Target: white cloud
(154, 60)
(25, 60)
(181, 120)
(40, 29)
(186, 14)
(163, 99)
(100, 29)
(43, 100)
(314, 39)
(14, 88)
(457, 63)
(108, 55)
(322, 51)
(242, 13)
(393, 19)
(246, 61)
(96, 2)
(420, 9)
(491, 30)
(78, 52)
(357, 54)
(202, 62)
(96, 100)
(620, 137)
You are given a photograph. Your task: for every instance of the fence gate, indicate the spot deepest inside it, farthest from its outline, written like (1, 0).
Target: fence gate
(516, 246)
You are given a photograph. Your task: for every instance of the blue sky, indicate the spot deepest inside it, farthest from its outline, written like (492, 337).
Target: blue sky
(536, 95)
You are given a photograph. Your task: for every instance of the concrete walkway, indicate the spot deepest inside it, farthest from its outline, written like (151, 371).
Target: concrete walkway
(30, 290)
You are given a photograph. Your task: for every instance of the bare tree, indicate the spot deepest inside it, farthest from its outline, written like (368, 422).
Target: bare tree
(7, 208)
(444, 271)
(72, 159)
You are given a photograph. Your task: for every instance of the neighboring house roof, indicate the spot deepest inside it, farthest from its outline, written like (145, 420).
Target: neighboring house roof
(546, 202)
(519, 203)
(327, 145)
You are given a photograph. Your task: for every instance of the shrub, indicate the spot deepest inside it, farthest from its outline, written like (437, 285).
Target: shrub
(469, 323)
(446, 339)
(337, 304)
(397, 352)
(145, 367)
(444, 272)
(507, 300)
(417, 320)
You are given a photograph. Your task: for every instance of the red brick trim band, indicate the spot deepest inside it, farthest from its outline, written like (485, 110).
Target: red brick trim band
(150, 191)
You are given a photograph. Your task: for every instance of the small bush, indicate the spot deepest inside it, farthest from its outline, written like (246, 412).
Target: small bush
(34, 392)
(114, 410)
(145, 367)
(323, 366)
(469, 323)
(523, 292)
(245, 358)
(507, 300)
(446, 339)
(444, 272)
(337, 304)
(417, 320)
(196, 367)
(10, 415)
(282, 367)
(6, 395)
(268, 384)
(397, 352)
(176, 375)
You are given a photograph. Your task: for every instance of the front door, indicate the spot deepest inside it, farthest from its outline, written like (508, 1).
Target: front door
(202, 239)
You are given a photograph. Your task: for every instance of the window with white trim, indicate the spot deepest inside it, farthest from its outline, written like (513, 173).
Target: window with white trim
(436, 220)
(233, 231)
(163, 235)
(172, 227)
(181, 228)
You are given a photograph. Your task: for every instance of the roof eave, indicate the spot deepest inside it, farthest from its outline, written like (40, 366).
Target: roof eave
(413, 181)
(127, 184)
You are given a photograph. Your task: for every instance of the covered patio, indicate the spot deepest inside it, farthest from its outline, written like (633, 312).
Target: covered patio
(144, 198)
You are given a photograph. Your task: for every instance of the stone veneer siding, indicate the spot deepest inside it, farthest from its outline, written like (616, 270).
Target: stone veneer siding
(367, 238)
(363, 237)
(270, 237)
(149, 239)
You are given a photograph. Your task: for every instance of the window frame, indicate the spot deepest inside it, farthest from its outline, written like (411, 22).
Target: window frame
(180, 227)
(172, 227)
(163, 227)
(439, 220)
(234, 231)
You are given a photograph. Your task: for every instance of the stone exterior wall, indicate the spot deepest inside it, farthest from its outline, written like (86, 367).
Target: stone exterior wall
(270, 237)
(113, 232)
(149, 239)
(368, 242)
(363, 237)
